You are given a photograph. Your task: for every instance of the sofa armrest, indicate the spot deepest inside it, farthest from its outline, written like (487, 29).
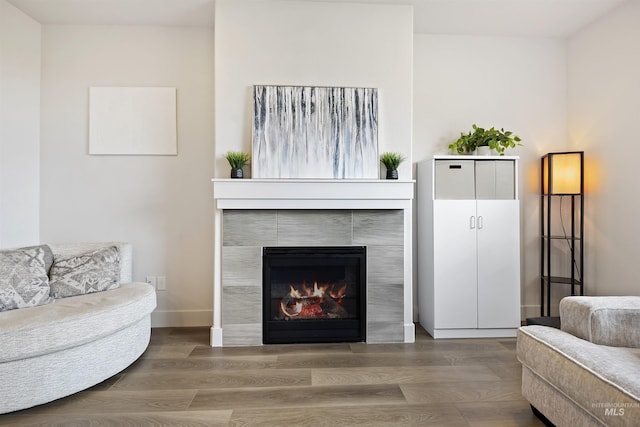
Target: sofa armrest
(612, 321)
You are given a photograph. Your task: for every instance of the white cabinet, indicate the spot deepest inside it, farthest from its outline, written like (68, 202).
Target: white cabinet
(455, 264)
(468, 246)
(498, 264)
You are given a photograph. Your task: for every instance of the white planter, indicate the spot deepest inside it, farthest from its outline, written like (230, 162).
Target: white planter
(483, 151)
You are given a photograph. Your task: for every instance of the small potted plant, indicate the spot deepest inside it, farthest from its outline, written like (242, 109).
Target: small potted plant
(237, 160)
(391, 161)
(485, 140)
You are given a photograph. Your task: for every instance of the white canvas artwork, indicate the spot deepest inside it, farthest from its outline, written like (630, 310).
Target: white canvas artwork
(132, 120)
(315, 132)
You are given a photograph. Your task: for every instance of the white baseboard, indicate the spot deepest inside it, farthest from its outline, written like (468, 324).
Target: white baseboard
(216, 337)
(190, 318)
(409, 332)
(475, 333)
(529, 311)
(181, 318)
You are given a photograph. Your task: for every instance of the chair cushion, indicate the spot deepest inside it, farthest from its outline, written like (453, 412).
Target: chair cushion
(612, 321)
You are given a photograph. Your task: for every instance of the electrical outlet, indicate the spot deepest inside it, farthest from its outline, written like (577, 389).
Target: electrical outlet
(162, 283)
(151, 280)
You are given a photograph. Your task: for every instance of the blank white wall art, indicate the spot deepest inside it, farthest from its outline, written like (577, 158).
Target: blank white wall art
(132, 120)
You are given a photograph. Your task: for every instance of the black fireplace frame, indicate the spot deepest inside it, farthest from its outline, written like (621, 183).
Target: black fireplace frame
(314, 330)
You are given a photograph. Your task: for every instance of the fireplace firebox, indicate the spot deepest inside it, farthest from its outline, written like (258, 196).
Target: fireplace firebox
(314, 294)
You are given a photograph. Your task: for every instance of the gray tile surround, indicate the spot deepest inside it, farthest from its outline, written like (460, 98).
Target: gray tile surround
(246, 231)
(384, 332)
(242, 266)
(314, 228)
(240, 303)
(239, 228)
(376, 227)
(242, 334)
(386, 303)
(385, 264)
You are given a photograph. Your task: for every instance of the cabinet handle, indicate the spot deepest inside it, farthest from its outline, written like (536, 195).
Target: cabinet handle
(480, 222)
(472, 222)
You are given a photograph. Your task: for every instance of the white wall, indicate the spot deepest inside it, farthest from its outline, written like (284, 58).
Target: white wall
(603, 113)
(515, 83)
(312, 44)
(19, 127)
(161, 204)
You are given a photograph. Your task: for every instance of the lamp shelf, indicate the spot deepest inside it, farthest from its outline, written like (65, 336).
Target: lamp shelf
(560, 237)
(562, 280)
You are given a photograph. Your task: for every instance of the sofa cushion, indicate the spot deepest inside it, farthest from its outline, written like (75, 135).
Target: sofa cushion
(23, 277)
(590, 375)
(48, 255)
(85, 273)
(613, 321)
(73, 321)
(125, 252)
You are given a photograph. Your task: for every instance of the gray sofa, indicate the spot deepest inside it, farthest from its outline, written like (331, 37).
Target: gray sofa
(588, 372)
(54, 350)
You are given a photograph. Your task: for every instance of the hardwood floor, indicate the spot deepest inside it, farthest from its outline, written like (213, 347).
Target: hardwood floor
(180, 380)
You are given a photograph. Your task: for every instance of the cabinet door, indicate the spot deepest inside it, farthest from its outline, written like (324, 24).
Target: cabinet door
(455, 264)
(498, 264)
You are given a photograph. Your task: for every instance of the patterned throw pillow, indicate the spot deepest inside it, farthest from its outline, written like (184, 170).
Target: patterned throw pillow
(23, 277)
(85, 273)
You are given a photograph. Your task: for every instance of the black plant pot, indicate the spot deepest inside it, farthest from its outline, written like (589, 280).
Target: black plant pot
(392, 174)
(237, 173)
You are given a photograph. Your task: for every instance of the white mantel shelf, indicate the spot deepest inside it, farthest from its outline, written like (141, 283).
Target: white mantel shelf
(312, 194)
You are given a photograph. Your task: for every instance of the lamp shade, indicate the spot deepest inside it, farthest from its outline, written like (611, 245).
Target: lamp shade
(563, 173)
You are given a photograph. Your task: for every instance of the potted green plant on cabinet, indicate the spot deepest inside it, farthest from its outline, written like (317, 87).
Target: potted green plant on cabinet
(391, 161)
(491, 139)
(237, 160)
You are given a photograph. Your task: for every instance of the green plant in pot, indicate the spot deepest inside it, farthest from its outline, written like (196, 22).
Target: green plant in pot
(494, 139)
(391, 161)
(237, 160)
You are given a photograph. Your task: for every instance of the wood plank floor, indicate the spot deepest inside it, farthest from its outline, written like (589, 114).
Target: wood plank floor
(181, 380)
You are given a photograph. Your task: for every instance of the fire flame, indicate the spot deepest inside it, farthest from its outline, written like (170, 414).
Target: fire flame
(314, 302)
(294, 292)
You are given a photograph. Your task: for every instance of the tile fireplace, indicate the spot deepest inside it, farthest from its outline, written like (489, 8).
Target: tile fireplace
(255, 216)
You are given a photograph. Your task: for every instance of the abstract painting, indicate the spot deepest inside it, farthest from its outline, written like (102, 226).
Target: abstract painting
(315, 132)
